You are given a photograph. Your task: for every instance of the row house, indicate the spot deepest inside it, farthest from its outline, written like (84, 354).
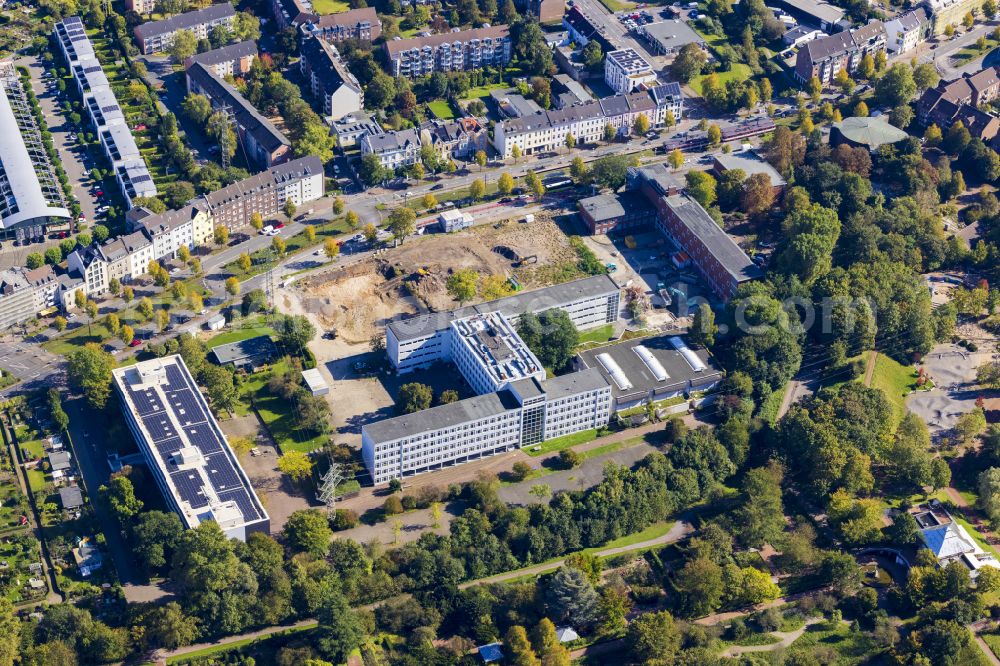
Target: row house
(299, 181)
(329, 80)
(456, 51)
(24, 294)
(455, 139)
(546, 131)
(942, 102)
(826, 56)
(158, 36)
(174, 229)
(262, 142)
(394, 150)
(104, 112)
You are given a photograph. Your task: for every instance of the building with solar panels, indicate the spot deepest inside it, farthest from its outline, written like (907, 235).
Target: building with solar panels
(190, 459)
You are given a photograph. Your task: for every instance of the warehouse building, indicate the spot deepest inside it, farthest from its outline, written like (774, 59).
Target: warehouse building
(187, 453)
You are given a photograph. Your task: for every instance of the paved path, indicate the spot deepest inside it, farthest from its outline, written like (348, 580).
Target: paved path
(679, 530)
(787, 638)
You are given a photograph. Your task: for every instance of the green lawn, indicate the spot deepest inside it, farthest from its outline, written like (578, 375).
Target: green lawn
(36, 480)
(993, 641)
(480, 92)
(739, 72)
(235, 645)
(896, 380)
(560, 443)
(239, 334)
(330, 6)
(617, 5)
(263, 259)
(441, 109)
(277, 414)
(597, 335)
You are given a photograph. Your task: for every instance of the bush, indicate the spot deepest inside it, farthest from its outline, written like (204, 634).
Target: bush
(738, 630)
(392, 506)
(409, 503)
(520, 471)
(569, 458)
(343, 519)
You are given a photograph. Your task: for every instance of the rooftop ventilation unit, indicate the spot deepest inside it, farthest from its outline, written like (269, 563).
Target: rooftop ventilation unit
(692, 359)
(613, 369)
(651, 362)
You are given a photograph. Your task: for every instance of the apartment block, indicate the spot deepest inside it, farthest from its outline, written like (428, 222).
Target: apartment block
(826, 56)
(626, 71)
(950, 12)
(231, 60)
(459, 51)
(362, 24)
(943, 103)
(170, 230)
(906, 31)
(300, 180)
(329, 80)
(157, 36)
(262, 142)
(546, 131)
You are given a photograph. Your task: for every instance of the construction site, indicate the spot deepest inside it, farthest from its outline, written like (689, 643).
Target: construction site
(359, 299)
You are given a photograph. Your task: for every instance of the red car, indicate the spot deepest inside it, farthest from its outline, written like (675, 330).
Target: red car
(140, 128)
(135, 343)
(100, 193)
(279, 225)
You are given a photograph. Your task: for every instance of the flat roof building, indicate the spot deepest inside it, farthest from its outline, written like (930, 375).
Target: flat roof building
(649, 370)
(750, 163)
(490, 354)
(188, 455)
(667, 37)
(625, 71)
(249, 353)
(813, 12)
(232, 60)
(420, 341)
(315, 382)
(463, 50)
(523, 413)
(621, 211)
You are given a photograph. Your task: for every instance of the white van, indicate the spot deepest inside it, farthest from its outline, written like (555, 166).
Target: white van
(266, 231)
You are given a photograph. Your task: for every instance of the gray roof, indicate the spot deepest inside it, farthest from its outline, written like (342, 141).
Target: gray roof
(672, 34)
(611, 206)
(750, 162)
(643, 381)
(871, 132)
(392, 141)
(823, 11)
(397, 46)
(327, 66)
(71, 497)
(443, 416)
(247, 117)
(723, 248)
(912, 20)
(185, 21)
(251, 348)
(511, 306)
(589, 379)
(24, 199)
(291, 170)
(167, 220)
(59, 460)
(224, 54)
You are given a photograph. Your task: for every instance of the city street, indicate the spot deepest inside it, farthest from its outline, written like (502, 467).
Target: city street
(612, 29)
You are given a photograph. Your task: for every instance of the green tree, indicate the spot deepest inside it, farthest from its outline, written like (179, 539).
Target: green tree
(689, 63)
(703, 328)
(154, 536)
(641, 125)
(402, 222)
(414, 397)
(896, 87)
(700, 586)
(288, 209)
(462, 284)
(168, 627)
(10, 632)
(297, 465)
(676, 158)
(119, 493)
(551, 336)
(572, 597)
(702, 187)
(34, 260)
(184, 46)
(89, 373)
(654, 638)
(477, 189)
(760, 516)
(308, 531)
(505, 184)
(518, 648)
(714, 135)
(340, 631)
(547, 645)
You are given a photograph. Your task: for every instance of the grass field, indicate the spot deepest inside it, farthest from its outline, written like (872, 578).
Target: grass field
(239, 334)
(441, 109)
(896, 380)
(739, 72)
(617, 5)
(483, 91)
(36, 480)
(330, 6)
(597, 335)
(277, 413)
(560, 443)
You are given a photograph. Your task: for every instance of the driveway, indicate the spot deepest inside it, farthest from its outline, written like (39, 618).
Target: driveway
(953, 371)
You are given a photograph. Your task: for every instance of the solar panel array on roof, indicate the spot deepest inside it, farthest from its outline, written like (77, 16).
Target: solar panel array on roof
(175, 418)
